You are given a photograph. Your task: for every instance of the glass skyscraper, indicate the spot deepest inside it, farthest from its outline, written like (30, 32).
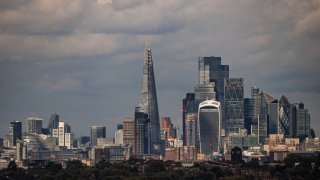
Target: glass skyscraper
(211, 71)
(97, 132)
(15, 132)
(34, 125)
(148, 103)
(302, 121)
(248, 113)
(209, 120)
(285, 116)
(233, 91)
(53, 122)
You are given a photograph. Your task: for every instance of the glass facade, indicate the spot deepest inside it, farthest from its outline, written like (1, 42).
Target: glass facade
(248, 113)
(234, 119)
(212, 71)
(15, 132)
(273, 117)
(53, 122)
(284, 116)
(34, 125)
(209, 120)
(97, 132)
(148, 101)
(303, 121)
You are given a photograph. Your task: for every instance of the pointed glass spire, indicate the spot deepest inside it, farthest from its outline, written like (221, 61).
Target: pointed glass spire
(148, 99)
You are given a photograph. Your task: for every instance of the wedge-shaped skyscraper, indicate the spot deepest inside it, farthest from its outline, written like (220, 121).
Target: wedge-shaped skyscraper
(148, 103)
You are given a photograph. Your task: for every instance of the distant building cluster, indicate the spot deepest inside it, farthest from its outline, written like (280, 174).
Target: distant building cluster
(218, 122)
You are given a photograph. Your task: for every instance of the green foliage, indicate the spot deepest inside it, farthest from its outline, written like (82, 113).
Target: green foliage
(155, 166)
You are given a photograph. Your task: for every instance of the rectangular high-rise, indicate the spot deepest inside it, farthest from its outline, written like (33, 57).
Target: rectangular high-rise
(128, 131)
(302, 121)
(15, 132)
(248, 113)
(34, 125)
(141, 139)
(233, 92)
(97, 132)
(212, 71)
(188, 108)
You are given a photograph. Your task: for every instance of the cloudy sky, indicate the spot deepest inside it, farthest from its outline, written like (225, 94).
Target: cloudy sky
(83, 59)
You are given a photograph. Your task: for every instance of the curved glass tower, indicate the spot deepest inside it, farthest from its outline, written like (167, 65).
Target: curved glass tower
(209, 119)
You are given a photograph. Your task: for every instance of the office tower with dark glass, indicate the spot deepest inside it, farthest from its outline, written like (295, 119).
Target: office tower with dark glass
(148, 103)
(233, 92)
(15, 132)
(34, 125)
(264, 102)
(141, 139)
(273, 117)
(302, 118)
(248, 114)
(213, 73)
(209, 119)
(53, 122)
(97, 132)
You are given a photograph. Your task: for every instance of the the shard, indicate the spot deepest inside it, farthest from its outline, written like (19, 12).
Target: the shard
(148, 102)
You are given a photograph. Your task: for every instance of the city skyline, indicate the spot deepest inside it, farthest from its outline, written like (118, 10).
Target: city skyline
(86, 66)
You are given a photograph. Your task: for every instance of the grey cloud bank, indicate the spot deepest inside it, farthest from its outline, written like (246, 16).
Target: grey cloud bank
(83, 59)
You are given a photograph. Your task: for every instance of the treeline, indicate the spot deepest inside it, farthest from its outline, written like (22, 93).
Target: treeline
(293, 167)
(152, 169)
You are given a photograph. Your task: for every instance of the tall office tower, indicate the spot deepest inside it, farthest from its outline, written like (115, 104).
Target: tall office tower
(148, 101)
(188, 107)
(262, 101)
(265, 115)
(68, 140)
(209, 119)
(285, 117)
(15, 132)
(191, 133)
(248, 113)
(233, 92)
(53, 122)
(273, 117)
(256, 95)
(61, 132)
(211, 70)
(64, 134)
(302, 121)
(34, 125)
(141, 139)
(97, 132)
(128, 131)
